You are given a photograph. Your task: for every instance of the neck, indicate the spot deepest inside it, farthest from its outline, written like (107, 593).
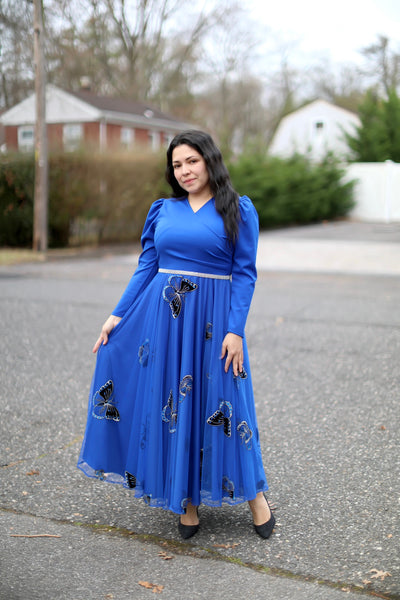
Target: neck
(200, 199)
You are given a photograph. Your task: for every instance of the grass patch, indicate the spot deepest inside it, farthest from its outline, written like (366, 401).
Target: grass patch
(16, 256)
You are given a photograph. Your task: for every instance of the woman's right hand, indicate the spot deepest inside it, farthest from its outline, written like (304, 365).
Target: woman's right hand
(108, 326)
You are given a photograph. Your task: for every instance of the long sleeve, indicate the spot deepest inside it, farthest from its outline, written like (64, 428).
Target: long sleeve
(148, 263)
(244, 273)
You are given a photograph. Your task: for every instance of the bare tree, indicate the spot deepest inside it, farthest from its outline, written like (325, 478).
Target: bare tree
(341, 85)
(230, 94)
(128, 48)
(16, 51)
(382, 65)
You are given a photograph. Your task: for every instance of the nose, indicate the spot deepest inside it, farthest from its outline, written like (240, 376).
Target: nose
(185, 169)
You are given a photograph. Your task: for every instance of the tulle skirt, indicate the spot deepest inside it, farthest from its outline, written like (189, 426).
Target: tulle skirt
(164, 419)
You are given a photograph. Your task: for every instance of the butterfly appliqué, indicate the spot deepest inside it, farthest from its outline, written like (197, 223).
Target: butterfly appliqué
(130, 480)
(103, 407)
(185, 502)
(185, 387)
(228, 486)
(246, 434)
(170, 413)
(143, 353)
(222, 416)
(100, 474)
(240, 376)
(174, 293)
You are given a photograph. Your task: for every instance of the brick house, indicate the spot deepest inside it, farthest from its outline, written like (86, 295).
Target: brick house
(77, 119)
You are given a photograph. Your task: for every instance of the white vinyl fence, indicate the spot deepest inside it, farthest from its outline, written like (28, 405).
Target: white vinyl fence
(377, 191)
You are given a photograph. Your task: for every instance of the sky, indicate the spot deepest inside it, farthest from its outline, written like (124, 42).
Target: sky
(333, 30)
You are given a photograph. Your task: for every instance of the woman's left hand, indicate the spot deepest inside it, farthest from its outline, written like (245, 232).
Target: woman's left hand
(232, 346)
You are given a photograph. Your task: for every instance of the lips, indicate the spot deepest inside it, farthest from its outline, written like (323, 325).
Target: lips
(188, 181)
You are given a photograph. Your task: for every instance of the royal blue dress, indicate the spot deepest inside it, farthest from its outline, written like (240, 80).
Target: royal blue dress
(164, 419)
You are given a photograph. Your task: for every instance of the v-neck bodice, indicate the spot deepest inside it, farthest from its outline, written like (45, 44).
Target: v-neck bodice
(201, 207)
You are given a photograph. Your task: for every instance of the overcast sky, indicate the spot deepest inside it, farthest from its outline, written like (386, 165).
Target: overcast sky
(330, 29)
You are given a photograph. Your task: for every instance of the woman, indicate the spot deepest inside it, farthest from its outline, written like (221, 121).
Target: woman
(171, 408)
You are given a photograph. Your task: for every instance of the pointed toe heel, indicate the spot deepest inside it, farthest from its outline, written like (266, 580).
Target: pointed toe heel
(266, 529)
(187, 531)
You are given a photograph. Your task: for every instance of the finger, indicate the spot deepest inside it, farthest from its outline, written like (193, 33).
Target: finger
(96, 346)
(228, 362)
(223, 349)
(235, 366)
(241, 362)
(101, 339)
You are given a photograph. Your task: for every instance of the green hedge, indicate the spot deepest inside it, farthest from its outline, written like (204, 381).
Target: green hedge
(105, 198)
(92, 198)
(293, 191)
(16, 193)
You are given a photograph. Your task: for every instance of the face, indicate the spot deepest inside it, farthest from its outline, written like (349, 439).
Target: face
(190, 171)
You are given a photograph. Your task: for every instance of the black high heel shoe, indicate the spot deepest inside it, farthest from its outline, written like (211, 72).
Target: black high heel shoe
(266, 528)
(187, 531)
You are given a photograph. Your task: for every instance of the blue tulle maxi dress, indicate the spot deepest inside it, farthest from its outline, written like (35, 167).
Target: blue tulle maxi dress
(164, 419)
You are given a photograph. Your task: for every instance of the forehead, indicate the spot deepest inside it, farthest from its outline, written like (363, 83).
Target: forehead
(183, 152)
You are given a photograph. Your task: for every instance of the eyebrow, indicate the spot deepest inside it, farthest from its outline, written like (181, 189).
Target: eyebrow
(175, 162)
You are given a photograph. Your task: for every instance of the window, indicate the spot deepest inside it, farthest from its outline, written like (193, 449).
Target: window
(127, 137)
(319, 126)
(72, 137)
(168, 137)
(26, 138)
(154, 139)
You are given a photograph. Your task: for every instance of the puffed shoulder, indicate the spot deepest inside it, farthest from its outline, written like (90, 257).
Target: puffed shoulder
(155, 208)
(247, 209)
(151, 220)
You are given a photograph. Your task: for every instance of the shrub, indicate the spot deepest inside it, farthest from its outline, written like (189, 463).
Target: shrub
(102, 197)
(96, 198)
(16, 201)
(292, 191)
(92, 197)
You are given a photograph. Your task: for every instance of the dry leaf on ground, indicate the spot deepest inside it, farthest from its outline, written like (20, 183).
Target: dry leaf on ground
(162, 554)
(379, 574)
(156, 589)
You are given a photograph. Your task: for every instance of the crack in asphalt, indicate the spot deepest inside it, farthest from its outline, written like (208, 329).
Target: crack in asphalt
(202, 552)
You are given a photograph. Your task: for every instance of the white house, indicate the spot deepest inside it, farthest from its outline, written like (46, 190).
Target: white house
(76, 118)
(314, 129)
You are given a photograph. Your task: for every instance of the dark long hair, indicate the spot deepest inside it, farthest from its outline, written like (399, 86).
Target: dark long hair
(226, 199)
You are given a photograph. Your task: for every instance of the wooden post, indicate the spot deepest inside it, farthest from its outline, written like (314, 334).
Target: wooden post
(40, 239)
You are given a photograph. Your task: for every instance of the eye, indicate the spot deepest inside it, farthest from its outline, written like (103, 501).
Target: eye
(175, 167)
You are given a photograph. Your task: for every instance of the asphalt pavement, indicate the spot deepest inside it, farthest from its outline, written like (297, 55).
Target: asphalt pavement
(324, 341)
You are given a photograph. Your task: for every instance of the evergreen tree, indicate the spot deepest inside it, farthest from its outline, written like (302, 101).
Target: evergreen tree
(370, 142)
(378, 137)
(392, 122)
